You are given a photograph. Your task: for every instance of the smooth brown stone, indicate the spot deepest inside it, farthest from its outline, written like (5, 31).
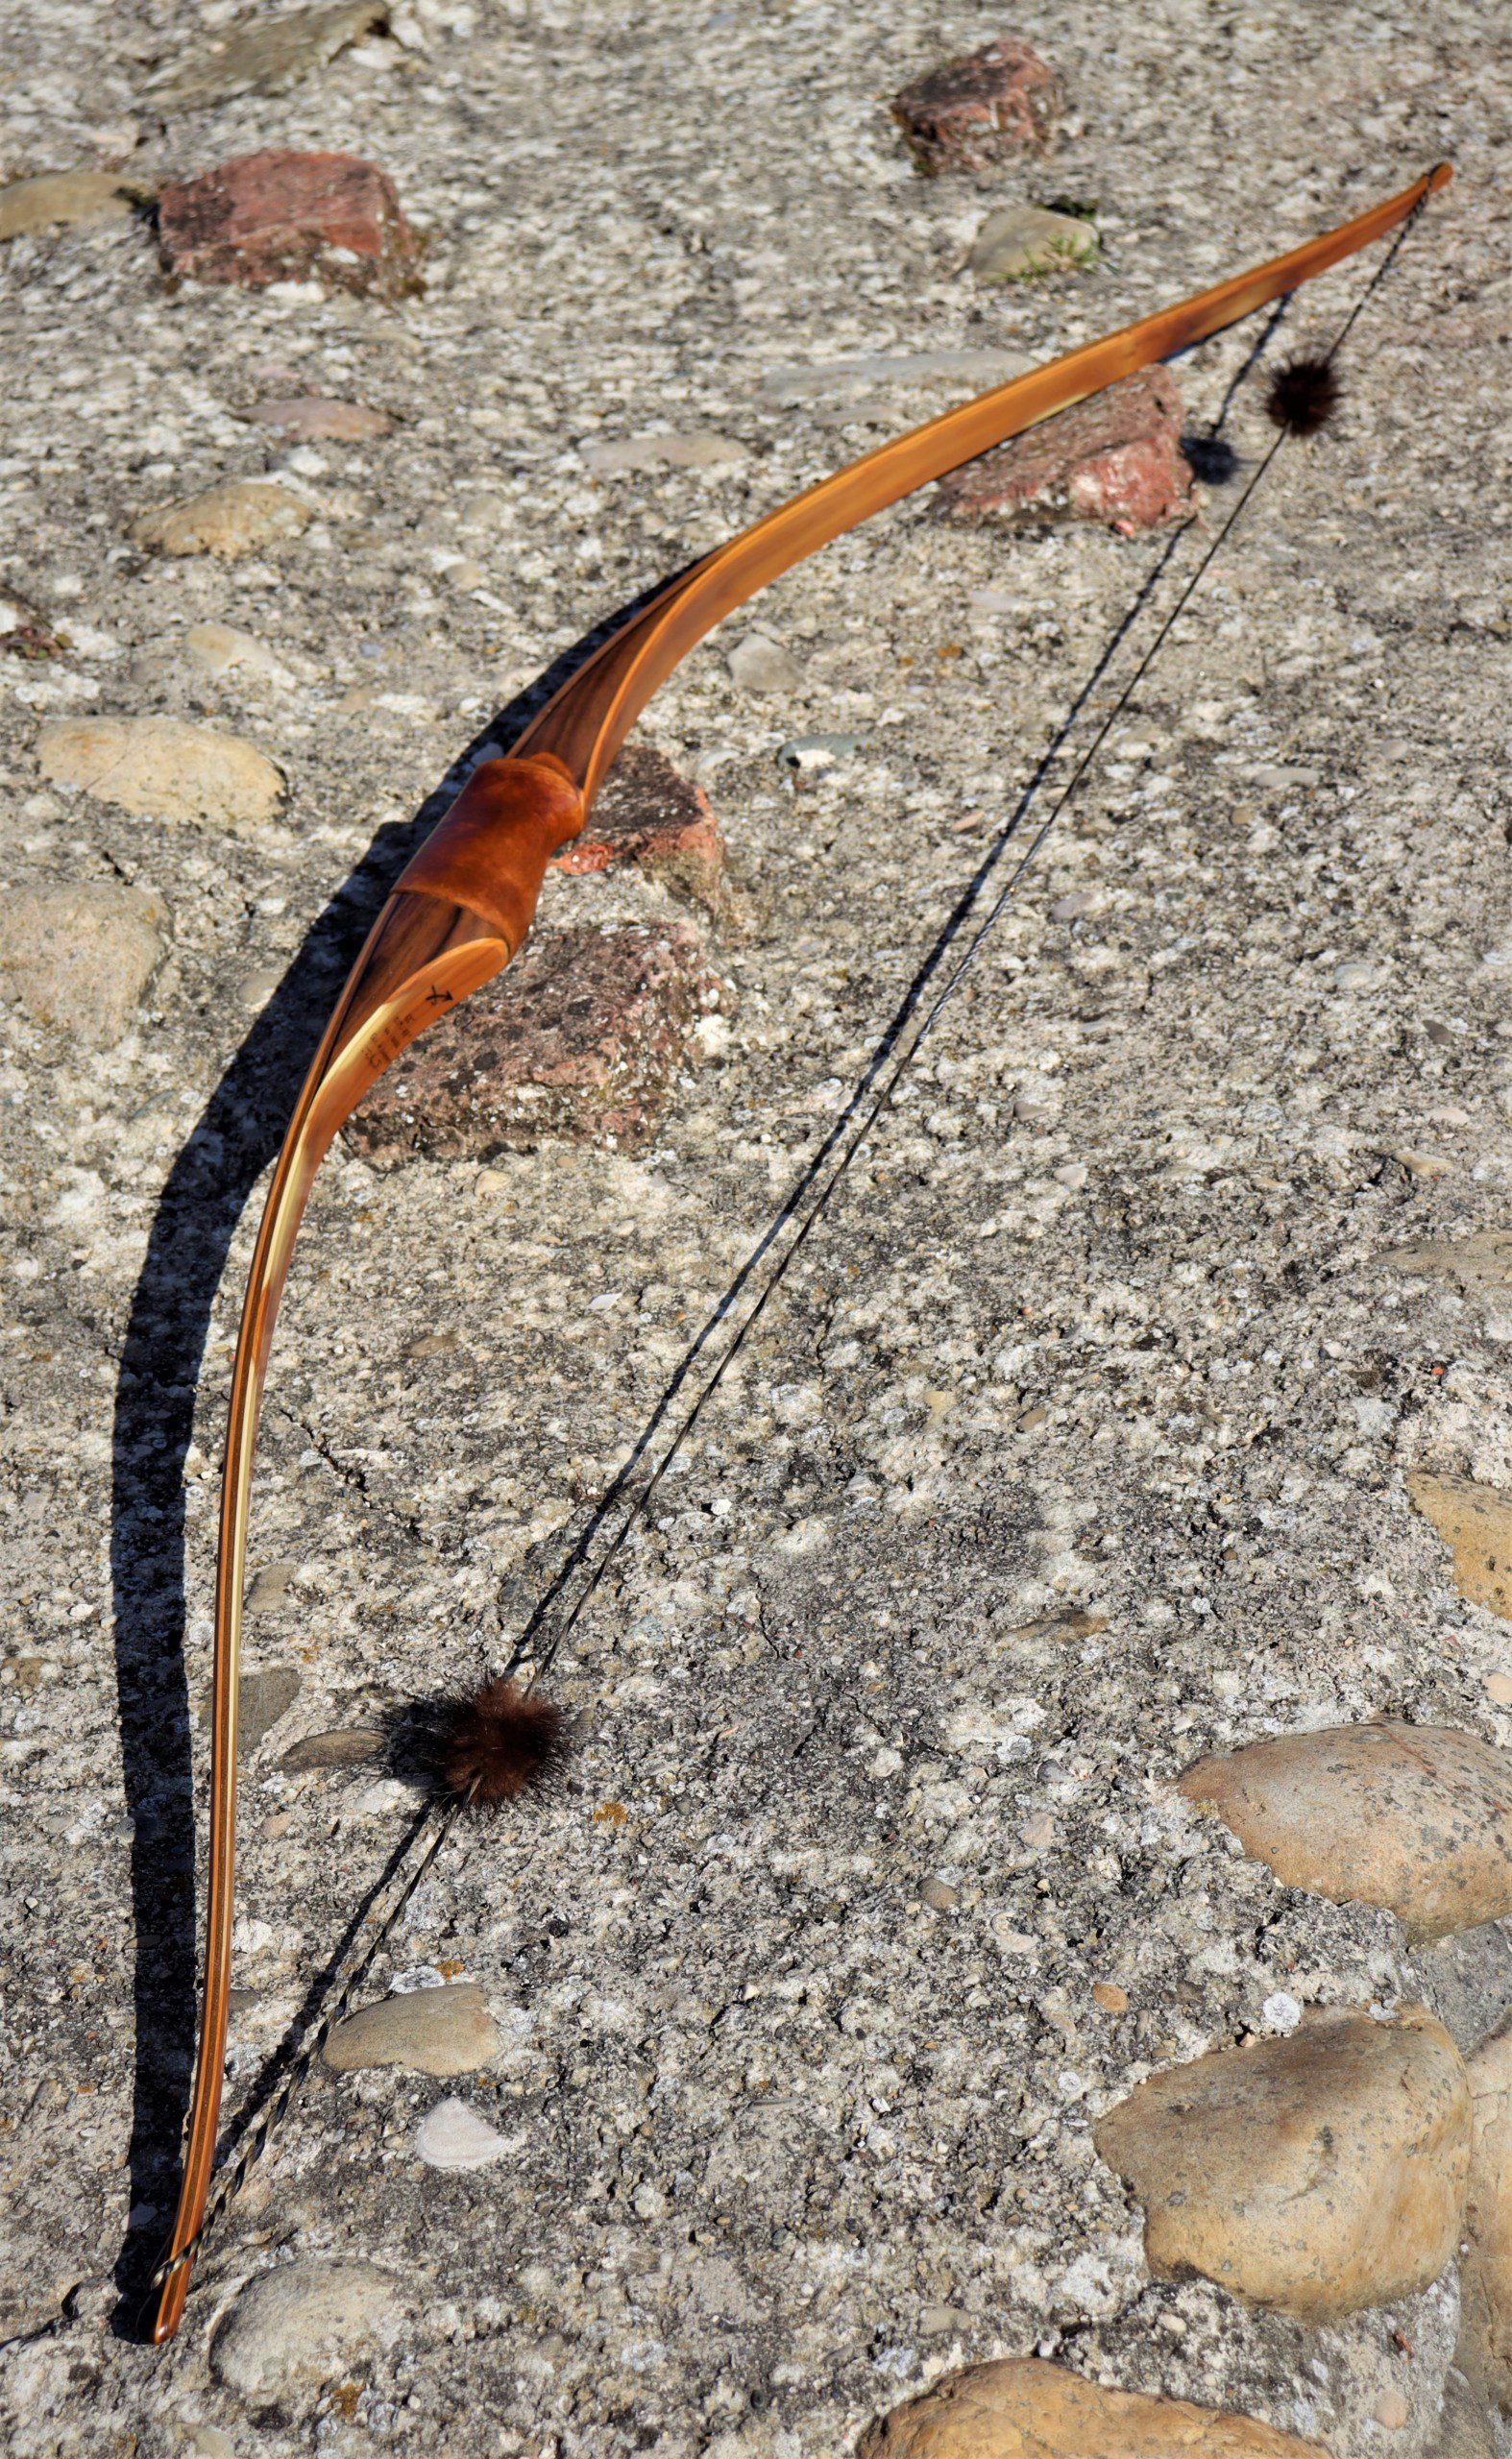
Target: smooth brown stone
(1475, 1524)
(162, 769)
(313, 414)
(67, 199)
(233, 520)
(1317, 2173)
(1414, 1817)
(427, 2032)
(1022, 2409)
(1481, 1262)
(1485, 2274)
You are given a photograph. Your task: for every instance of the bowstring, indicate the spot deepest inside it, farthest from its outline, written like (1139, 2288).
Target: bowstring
(893, 1039)
(896, 1045)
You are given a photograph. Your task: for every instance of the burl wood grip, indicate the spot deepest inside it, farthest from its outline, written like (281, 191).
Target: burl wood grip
(491, 852)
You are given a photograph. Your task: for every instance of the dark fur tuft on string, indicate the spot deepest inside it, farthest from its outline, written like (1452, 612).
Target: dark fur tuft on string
(1305, 396)
(495, 1745)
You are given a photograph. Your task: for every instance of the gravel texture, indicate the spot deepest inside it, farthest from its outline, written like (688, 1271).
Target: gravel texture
(1072, 1447)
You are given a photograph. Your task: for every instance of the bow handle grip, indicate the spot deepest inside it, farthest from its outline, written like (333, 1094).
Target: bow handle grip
(491, 852)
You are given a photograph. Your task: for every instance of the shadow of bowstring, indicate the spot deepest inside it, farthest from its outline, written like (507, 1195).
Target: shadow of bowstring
(232, 1143)
(236, 1138)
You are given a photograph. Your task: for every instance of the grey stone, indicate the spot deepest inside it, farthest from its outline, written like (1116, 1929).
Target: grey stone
(428, 2032)
(453, 2136)
(297, 2327)
(263, 54)
(269, 1586)
(760, 664)
(266, 1693)
(80, 954)
(700, 451)
(343, 1747)
(811, 755)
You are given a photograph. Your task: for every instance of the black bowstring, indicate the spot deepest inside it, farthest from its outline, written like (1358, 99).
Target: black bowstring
(893, 1039)
(256, 2128)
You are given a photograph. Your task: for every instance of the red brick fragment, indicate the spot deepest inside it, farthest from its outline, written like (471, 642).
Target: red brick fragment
(650, 814)
(289, 217)
(583, 1036)
(1117, 458)
(977, 112)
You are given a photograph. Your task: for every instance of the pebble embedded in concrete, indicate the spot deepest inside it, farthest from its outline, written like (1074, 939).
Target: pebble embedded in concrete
(760, 664)
(67, 199)
(974, 113)
(1024, 2408)
(80, 954)
(1476, 1523)
(162, 769)
(1115, 459)
(1414, 1817)
(584, 1037)
(339, 1746)
(294, 2328)
(427, 2032)
(1019, 241)
(453, 2136)
(1317, 2173)
(285, 216)
(648, 814)
(699, 449)
(1485, 2344)
(236, 519)
(263, 56)
(313, 414)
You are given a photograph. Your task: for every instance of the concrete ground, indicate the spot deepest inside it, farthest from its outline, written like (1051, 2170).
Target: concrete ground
(1072, 1447)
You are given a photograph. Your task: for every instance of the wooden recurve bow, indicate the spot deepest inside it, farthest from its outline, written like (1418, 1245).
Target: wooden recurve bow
(464, 904)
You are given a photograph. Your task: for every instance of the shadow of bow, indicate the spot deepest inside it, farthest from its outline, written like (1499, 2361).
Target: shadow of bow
(232, 1142)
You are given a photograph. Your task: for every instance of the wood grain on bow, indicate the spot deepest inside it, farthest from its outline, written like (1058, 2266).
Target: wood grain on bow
(465, 902)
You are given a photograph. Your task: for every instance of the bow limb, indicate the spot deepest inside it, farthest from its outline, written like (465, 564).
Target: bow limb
(589, 716)
(458, 915)
(464, 904)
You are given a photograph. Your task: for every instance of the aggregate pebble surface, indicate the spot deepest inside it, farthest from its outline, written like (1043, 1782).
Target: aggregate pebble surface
(1073, 1447)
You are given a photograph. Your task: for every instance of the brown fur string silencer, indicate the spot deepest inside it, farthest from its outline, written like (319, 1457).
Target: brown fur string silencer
(495, 1745)
(1305, 396)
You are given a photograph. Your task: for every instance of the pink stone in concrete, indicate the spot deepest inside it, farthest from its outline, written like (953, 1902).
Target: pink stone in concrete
(1117, 458)
(977, 112)
(648, 813)
(289, 217)
(310, 414)
(583, 1036)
